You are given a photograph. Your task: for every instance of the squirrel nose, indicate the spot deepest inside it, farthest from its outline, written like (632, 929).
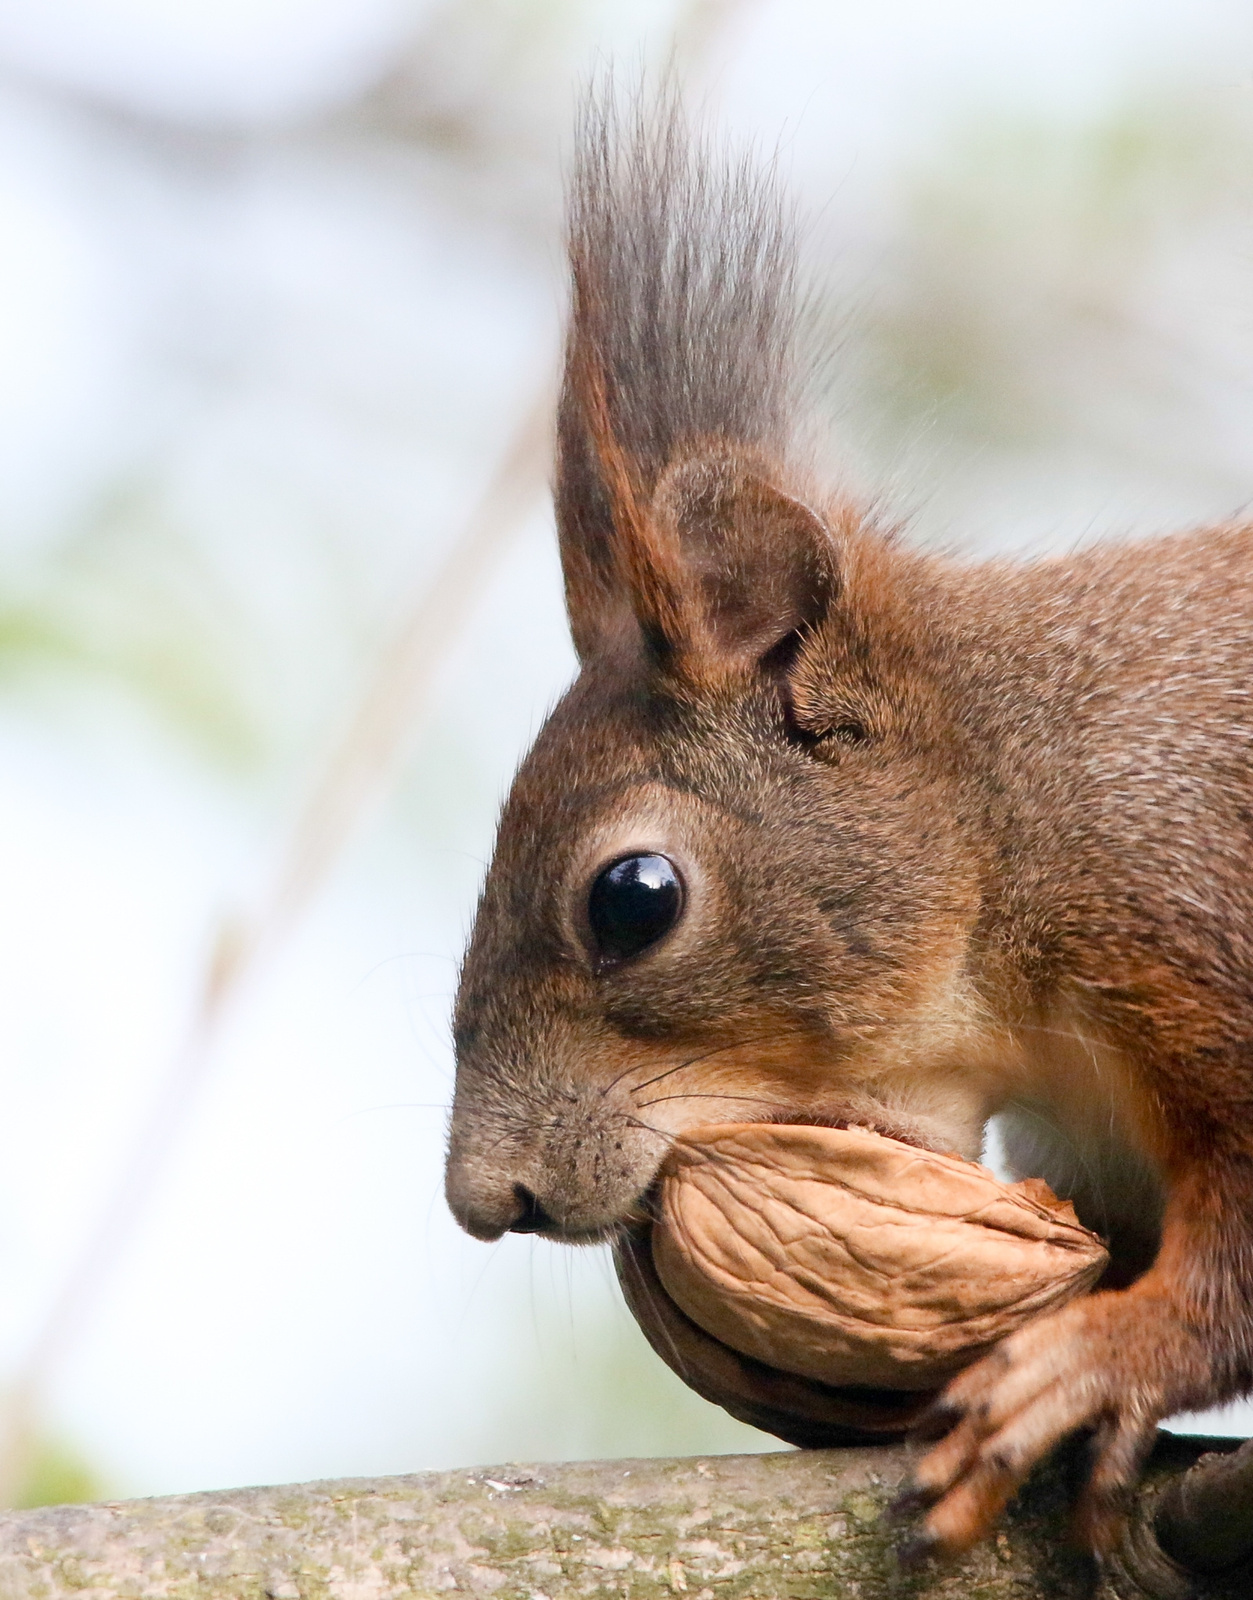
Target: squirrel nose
(532, 1218)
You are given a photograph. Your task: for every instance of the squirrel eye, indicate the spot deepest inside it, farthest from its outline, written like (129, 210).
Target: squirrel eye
(632, 903)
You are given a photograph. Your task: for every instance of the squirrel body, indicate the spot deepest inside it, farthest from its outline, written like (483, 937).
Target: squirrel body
(936, 842)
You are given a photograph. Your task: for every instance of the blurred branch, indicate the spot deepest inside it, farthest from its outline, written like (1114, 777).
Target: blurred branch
(370, 746)
(375, 737)
(359, 765)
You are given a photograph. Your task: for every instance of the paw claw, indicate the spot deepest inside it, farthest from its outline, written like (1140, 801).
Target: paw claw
(912, 1498)
(937, 1420)
(917, 1549)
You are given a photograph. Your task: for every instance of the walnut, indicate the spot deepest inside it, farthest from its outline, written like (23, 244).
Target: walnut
(848, 1258)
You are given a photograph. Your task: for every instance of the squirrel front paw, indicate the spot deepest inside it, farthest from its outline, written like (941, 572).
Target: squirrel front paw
(1112, 1362)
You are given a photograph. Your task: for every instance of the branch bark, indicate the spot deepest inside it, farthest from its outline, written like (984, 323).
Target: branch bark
(1204, 1517)
(788, 1526)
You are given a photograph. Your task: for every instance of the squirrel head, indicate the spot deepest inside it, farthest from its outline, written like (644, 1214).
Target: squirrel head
(729, 882)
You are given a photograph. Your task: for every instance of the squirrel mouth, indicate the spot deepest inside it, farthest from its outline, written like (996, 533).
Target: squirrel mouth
(843, 1117)
(642, 1210)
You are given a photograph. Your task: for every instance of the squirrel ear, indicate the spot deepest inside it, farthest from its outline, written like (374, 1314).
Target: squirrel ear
(715, 570)
(754, 564)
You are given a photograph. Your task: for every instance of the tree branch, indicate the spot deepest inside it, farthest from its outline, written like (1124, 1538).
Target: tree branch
(1204, 1517)
(790, 1526)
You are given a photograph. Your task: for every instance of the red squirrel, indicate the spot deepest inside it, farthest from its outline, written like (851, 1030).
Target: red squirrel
(829, 821)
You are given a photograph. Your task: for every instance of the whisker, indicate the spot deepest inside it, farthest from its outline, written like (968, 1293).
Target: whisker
(520, 1128)
(753, 1099)
(690, 1062)
(862, 1030)
(694, 1060)
(677, 1141)
(661, 1133)
(397, 1105)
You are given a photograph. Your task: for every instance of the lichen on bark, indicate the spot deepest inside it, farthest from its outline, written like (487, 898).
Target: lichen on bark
(803, 1525)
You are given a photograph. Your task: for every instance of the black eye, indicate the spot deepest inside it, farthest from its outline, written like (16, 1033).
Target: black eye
(632, 903)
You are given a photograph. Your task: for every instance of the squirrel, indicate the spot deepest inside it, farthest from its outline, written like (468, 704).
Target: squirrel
(829, 821)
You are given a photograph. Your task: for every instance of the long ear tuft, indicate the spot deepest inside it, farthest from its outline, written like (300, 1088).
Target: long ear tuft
(682, 328)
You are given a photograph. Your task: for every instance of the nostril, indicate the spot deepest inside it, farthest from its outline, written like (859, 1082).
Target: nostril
(533, 1218)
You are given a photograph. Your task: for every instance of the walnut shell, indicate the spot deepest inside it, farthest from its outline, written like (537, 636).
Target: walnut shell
(849, 1258)
(814, 1416)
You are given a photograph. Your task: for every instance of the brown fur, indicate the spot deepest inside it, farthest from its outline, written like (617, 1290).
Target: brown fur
(957, 840)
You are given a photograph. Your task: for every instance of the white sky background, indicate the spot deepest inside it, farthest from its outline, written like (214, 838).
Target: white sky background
(298, 358)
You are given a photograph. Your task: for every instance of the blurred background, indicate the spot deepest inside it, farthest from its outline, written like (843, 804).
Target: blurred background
(280, 296)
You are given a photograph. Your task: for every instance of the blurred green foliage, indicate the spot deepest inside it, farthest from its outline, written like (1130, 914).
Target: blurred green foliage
(130, 604)
(56, 1475)
(1027, 298)
(1006, 310)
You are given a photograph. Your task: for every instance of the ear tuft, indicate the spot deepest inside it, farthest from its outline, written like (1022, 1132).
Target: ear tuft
(683, 327)
(758, 565)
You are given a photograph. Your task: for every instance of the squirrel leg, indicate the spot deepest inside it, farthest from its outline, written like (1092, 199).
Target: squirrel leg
(1181, 1337)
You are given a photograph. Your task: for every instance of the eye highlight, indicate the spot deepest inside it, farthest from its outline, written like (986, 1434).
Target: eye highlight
(632, 903)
